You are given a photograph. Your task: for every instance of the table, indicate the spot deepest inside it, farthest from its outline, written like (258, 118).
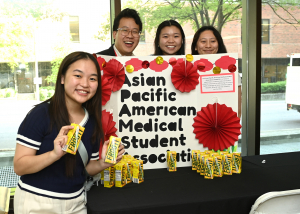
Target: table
(185, 191)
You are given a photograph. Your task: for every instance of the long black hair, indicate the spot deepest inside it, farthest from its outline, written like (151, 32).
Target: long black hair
(168, 23)
(58, 112)
(221, 48)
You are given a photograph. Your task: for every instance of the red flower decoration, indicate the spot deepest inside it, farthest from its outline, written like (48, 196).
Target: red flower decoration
(184, 76)
(145, 64)
(115, 74)
(136, 63)
(225, 61)
(208, 64)
(232, 68)
(158, 68)
(106, 90)
(100, 62)
(108, 126)
(217, 126)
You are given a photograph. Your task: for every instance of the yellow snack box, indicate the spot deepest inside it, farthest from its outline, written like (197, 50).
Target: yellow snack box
(223, 152)
(209, 168)
(213, 154)
(74, 138)
(218, 165)
(112, 150)
(120, 174)
(109, 177)
(138, 171)
(102, 177)
(194, 159)
(227, 164)
(127, 156)
(202, 163)
(171, 161)
(129, 170)
(208, 152)
(199, 154)
(237, 162)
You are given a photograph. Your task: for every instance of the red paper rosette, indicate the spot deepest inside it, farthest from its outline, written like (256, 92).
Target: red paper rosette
(225, 61)
(100, 62)
(158, 68)
(106, 90)
(136, 63)
(115, 74)
(217, 126)
(108, 126)
(184, 76)
(231, 68)
(208, 65)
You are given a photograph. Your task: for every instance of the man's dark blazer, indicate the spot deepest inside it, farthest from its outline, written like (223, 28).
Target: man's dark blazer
(108, 52)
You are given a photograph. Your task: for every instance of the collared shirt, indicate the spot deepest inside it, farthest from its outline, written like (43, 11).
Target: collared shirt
(118, 53)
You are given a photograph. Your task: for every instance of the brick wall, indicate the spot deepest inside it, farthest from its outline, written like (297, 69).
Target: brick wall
(284, 38)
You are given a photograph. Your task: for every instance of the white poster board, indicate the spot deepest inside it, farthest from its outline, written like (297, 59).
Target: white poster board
(152, 116)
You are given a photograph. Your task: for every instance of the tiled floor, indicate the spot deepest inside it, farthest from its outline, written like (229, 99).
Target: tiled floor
(8, 178)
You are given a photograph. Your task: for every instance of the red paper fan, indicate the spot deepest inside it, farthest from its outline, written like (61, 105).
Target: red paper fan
(217, 126)
(108, 126)
(106, 90)
(136, 63)
(225, 61)
(100, 62)
(156, 67)
(115, 74)
(184, 76)
(208, 64)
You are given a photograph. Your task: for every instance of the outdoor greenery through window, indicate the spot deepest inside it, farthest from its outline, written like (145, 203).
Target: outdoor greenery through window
(35, 35)
(279, 89)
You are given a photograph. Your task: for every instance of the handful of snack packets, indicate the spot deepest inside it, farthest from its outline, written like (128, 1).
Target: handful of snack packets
(74, 138)
(216, 164)
(126, 171)
(112, 150)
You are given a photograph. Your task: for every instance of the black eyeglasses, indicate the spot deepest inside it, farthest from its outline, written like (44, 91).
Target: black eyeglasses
(126, 31)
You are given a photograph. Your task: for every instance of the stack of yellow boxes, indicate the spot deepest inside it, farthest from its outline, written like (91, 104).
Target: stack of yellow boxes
(212, 164)
(128, 170)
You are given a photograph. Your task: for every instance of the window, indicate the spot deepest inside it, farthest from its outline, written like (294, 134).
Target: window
(74, 28)
(30, 33)
(265, 31)
(143, 36)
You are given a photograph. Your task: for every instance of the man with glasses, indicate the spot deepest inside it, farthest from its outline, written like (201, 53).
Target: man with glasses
(126, 32)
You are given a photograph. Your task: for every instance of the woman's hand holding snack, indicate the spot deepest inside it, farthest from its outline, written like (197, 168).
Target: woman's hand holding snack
(60, 141)
(121, 152)
(104, 151)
